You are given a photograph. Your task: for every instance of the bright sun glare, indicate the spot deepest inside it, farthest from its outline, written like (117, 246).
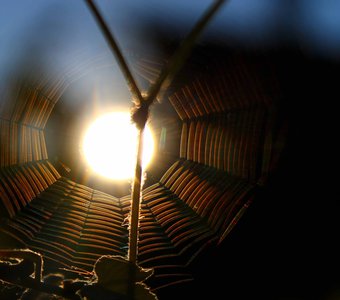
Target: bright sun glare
(110, 146)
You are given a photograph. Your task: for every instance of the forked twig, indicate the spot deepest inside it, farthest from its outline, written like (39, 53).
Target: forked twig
(163, 81)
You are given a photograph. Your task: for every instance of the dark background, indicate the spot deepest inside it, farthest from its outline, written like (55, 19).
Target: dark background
(286, 244)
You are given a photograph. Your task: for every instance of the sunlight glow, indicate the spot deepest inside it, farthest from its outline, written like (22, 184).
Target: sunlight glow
(110, 146)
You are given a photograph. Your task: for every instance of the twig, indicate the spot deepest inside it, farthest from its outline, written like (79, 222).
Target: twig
(181, 54)
(117, 52)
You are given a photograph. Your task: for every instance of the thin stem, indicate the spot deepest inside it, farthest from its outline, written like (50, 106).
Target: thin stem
(117, 52)
(135, 201)
(181, 54)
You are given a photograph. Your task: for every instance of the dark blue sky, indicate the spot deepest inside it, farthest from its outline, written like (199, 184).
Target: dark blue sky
(314, 23)
(62, 33)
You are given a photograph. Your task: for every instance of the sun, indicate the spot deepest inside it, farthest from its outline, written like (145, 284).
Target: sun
(110, 146)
